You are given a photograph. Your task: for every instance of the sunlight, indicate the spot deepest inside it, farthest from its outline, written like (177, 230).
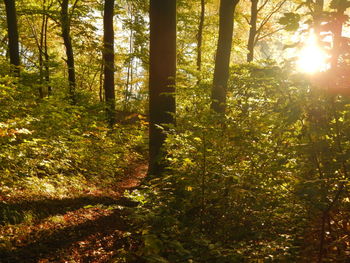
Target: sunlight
(312, 58)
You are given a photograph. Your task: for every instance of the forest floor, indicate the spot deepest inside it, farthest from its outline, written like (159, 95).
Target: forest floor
(91, 226)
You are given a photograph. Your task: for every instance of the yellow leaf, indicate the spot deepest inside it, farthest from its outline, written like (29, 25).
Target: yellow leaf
(189, 188)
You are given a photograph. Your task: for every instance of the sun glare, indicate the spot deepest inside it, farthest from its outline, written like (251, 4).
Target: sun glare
(311, 57)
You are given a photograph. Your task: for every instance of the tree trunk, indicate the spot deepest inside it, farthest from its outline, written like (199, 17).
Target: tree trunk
(101, 95)
(108, 60)
(223, 52)
(41, 52)
(46, 56)
(65, 25)
(200, 36)
(252, 31)
(129, 78)
(13, 43)
(162, 78)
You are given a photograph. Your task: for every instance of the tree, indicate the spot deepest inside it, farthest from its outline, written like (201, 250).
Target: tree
(40, 37)
(252, 31)
(223, 52)
(108, 60)
(13, 43)
(65, 27)
(161, 77)
(200, 35)
(256, 30)
(46, 56)
(44, 48)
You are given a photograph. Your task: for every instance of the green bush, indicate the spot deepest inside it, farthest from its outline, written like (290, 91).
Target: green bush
(51, 144)
(252, 186)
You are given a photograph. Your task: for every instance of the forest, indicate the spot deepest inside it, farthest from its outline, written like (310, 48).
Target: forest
(214, 131)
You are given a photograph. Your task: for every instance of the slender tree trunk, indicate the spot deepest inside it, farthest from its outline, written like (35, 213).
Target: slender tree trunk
(108, 60)
(65, 25)
(200, 36)
(131, 63)
(12, 29)
(223, 52)
(41, 53)
(40, 42)
(126, 97)
(131, 79)
(46, 56)
(101, 97)
(162, 78)
(128, 88)
(252, 31)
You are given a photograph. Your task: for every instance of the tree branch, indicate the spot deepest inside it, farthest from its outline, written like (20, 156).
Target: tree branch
(263, 5)
(258, 38)
(267, 18)
(72, 10)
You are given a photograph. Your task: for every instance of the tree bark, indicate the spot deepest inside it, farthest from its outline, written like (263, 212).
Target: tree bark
(13, 42)
(41, 52)
(46, 56)
(223, 52)
(43, 49)
(252, 30)
(65, 26)
(162, 78)
(108, 60)
(129, 78)
(200, 36)
(101, 93)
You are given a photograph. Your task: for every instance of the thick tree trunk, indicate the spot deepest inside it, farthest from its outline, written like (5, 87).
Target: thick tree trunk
(200, 36)
(252, 30)
(162, 77)
(108, 60)
(12, 29)
(65, 25)
(223, 52)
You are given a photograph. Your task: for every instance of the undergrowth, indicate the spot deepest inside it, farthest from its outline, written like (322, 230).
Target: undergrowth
(257, 184)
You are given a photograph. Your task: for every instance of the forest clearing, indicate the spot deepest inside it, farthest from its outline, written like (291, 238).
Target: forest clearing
(163, 131)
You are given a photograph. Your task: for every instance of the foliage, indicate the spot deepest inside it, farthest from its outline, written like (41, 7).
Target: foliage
(267, 182)
(50, 141)
(256, 185)
(290, 21)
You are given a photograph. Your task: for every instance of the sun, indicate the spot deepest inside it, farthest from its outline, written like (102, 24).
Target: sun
(311, 58)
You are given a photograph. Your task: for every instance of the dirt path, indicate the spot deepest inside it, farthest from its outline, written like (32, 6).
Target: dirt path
(93, 227)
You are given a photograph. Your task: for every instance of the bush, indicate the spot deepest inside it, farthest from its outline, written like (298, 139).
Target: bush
(256, 184)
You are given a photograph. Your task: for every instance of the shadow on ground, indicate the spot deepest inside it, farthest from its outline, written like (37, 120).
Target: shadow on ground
(16, 213)
(51, 242)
